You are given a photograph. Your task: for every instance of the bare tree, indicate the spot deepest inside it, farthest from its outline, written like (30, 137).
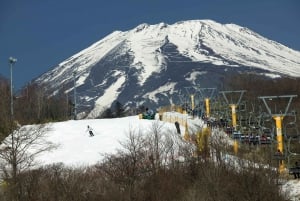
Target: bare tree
(4, 108)
(18, 152)
(154, 145)
(220, 145)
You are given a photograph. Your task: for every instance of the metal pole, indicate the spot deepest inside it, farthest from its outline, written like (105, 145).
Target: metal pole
(11, 61)
(11, 93)
(75, 105)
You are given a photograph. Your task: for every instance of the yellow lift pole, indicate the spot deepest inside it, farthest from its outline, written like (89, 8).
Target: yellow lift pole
(233, 102)
(207, 107)
(207, 94)
(193, 101)
(278, 121)
(233, 115)
(278, 117)
(192, 92)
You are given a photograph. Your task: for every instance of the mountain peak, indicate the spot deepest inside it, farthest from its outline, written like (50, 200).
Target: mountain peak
(151, 63)
(141, 27)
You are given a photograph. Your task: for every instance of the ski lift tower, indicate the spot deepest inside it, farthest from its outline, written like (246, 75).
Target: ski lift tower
(192, 93)
(207, 94)
(233, 103)
(278, 117)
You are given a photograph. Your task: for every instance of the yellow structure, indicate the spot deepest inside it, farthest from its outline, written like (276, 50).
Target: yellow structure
(278, 122)
(235, 146)
(193, 101)
(279, 137)
(233, 115)
(186, 133)
(233, 103)
(207, 94)
(140, 116)
(207, 107)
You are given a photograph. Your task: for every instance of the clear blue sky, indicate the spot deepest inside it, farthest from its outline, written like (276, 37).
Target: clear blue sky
(43, 33)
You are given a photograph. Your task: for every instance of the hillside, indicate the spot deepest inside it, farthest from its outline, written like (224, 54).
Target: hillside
(77, 148)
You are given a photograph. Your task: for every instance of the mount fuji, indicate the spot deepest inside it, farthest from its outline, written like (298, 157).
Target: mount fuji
(151, 64)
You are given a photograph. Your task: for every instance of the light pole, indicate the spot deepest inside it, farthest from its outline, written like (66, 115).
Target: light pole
(75, 112)
(11, 61)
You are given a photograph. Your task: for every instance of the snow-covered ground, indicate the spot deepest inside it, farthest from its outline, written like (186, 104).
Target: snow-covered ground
(76, 147)
(292, 188)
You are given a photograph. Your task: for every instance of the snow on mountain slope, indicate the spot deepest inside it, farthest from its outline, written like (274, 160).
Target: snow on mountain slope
(228, 42)
(149, 57)
(233, 43)
(108, 97)
(82, 62)
(169, 87)
(145, 41)
(248, 48)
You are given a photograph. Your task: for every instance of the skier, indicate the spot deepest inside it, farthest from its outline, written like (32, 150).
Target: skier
(90, 130)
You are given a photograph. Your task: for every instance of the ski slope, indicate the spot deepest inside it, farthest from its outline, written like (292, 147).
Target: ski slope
(77, 148)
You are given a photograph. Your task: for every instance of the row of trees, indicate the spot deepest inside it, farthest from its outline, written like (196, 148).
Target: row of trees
(32, 105)
(256, 86)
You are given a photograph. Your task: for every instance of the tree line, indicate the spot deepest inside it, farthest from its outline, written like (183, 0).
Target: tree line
(32, 105)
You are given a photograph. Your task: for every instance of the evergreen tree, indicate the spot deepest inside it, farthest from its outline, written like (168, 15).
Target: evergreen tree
(107, 114)
(119, 109)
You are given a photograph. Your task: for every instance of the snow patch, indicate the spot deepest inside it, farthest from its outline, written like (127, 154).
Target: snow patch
(110, 94)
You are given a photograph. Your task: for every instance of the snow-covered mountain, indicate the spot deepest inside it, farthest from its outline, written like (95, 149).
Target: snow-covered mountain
(151, 64)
